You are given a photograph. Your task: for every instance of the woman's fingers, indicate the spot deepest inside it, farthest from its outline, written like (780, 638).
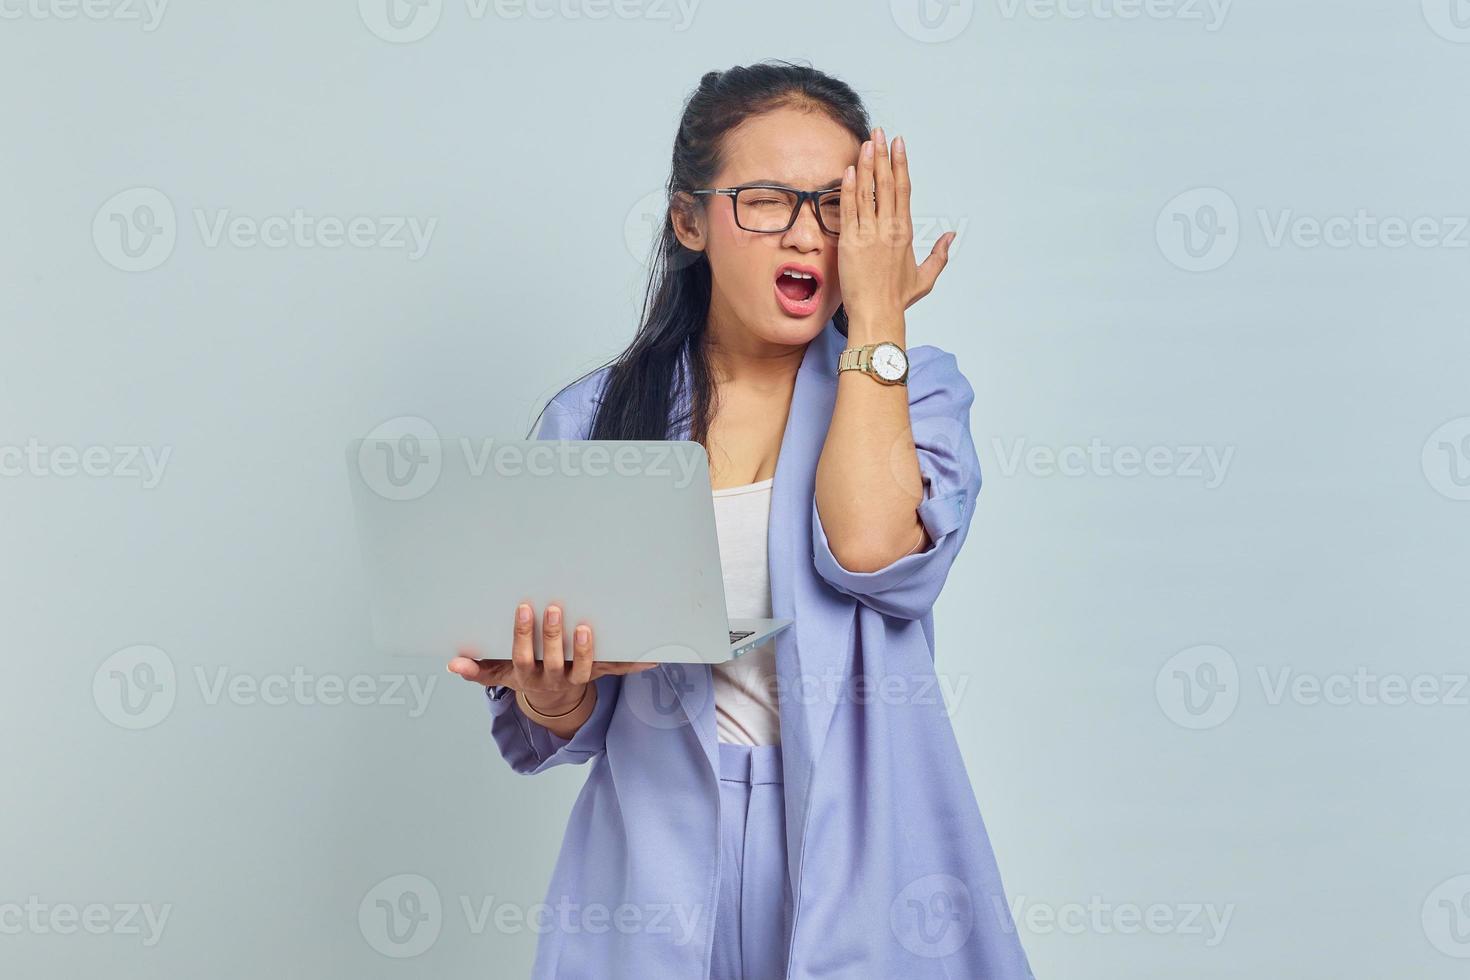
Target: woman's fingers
(554, 675)
(933, 266)
(882, 177)
(582, 655)
(847, 200)
(465, 666)
(553, 651)
(866, 206)
(522, 645)
(488, 673)
(902, 189)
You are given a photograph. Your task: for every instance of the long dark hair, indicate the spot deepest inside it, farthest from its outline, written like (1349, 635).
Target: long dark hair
(639, 394)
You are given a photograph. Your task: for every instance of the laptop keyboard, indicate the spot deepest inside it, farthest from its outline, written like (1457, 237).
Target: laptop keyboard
(737, 635)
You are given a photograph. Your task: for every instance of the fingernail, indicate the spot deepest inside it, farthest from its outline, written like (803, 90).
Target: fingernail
(898, 147)
(582, 635)
(553, 616)
(880, 136)
(867, 149)
(523, 614)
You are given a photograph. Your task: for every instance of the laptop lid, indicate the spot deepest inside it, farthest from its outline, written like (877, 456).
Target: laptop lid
(454, 532)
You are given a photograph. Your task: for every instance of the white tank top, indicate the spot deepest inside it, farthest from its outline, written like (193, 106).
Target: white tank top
(746, 707)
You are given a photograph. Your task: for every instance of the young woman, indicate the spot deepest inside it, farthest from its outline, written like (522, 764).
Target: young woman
(803, 811)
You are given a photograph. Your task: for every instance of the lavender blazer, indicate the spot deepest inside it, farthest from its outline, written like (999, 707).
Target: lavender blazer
(892, 870)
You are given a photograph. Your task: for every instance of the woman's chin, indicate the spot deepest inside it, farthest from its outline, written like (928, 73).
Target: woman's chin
(783, 329)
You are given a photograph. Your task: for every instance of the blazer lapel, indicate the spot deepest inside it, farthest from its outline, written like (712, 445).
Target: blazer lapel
(811, 655)
(810, 659)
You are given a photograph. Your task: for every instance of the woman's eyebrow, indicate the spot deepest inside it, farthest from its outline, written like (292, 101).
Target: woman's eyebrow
(829, 185)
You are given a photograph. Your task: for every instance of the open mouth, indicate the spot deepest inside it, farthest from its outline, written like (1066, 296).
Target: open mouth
(797, 287)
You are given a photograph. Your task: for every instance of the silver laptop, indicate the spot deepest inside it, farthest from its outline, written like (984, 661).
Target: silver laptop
(454, 532)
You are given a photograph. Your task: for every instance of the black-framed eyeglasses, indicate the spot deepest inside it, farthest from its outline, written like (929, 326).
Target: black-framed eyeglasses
(772, 208)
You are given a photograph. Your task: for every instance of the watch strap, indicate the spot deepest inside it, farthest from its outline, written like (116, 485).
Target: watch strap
(856, 359)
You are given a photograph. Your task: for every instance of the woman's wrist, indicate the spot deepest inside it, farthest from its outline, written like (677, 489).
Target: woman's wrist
(562, 719)
(546, 706)
(872, 326)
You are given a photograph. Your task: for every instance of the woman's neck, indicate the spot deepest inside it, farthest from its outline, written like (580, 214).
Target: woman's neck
(737, 355)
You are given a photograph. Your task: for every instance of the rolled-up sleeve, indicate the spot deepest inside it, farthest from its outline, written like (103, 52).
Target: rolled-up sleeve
(530, 747)
(939, 414)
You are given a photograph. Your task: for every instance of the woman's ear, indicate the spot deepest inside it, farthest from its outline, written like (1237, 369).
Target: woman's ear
(688, 220)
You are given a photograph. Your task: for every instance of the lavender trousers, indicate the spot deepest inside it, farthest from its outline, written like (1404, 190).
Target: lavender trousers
(753, 916)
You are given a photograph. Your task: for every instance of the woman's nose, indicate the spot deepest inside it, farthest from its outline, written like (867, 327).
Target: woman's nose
(806, 230)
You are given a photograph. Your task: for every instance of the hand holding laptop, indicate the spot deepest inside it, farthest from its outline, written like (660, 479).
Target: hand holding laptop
(553, 685)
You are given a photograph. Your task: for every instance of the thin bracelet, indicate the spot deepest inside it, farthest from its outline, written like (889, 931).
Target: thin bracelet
(535, 715)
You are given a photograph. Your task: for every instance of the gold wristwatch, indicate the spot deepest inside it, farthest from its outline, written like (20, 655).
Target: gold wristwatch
(884, 361)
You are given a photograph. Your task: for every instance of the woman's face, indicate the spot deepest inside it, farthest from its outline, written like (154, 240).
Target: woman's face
(804, 150)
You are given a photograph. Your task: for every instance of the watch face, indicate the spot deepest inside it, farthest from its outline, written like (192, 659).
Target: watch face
(889, 361)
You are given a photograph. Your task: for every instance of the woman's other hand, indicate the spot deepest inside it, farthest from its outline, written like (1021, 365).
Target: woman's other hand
(875, 253)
